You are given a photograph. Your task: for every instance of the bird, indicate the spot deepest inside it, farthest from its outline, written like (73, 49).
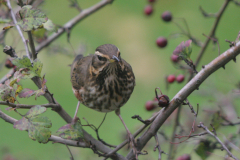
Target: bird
(103, 81)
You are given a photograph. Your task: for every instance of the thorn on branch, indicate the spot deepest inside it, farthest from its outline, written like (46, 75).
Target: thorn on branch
(147, 122)
(234, 59)
(223, 66)
(203, 66)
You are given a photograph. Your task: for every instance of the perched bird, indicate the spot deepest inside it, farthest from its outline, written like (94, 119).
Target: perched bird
(103, 81)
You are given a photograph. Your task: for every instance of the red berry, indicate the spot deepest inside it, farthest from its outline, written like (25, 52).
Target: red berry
(180, 78)
(184, 157)
(9, 64)
(174, 58)
(148, 10)
(161, 42)
(151, 1)
(149, 105)
(167, 16)
(171, 78)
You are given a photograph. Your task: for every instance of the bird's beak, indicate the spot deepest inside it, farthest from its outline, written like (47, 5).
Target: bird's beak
(114, 59)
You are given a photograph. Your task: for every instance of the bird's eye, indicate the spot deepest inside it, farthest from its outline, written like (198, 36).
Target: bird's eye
(102, 58)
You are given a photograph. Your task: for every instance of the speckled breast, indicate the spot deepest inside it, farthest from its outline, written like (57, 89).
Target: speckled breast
(109, 92)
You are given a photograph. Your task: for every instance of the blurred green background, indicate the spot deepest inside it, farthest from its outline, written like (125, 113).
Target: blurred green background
(124, 24)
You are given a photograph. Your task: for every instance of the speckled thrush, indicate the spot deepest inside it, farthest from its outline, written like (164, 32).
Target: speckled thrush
(103, 81)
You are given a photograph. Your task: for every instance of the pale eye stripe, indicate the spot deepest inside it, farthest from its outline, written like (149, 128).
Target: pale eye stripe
(102, 55)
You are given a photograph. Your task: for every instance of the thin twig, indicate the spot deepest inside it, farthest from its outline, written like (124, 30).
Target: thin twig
(201, 125)
(96, 130)
(70, 152)
(158, 147)
(192, 129)
(205, 14)
(19, 30)
(25, 106)
(214, 40)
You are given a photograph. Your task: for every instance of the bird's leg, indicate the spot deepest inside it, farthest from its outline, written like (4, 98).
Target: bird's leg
(130, 136)
(75, 118)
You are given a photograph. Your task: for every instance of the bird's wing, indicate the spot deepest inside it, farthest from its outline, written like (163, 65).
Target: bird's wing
(129, 70)
(79, 70)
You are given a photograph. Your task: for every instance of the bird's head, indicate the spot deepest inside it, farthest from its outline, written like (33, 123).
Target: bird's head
(106, 56)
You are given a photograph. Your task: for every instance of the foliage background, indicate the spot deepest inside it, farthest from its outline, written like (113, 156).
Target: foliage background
(124, 24)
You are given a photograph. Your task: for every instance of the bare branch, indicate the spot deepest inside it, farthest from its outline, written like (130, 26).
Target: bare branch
(25, 106)
(215, 136)
(160, 151)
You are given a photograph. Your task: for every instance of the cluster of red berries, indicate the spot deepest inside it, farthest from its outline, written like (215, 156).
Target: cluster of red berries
(171, 78)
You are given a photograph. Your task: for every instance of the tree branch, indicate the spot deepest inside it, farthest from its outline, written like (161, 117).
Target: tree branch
(192, 85)
(25, 106)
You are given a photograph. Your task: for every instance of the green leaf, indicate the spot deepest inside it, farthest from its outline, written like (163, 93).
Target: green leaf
(216, 120)
(35, 69)
(34, 111)
(203, 149)
(31, 18)
(38, 129)
(50, 26)
(21, 124)
(41, 122)
(71, 131)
